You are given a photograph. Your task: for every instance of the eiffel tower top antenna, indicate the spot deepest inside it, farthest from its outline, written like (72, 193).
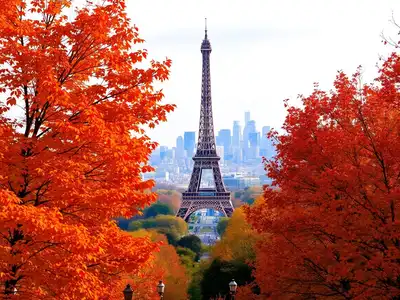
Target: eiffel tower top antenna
(205, 21)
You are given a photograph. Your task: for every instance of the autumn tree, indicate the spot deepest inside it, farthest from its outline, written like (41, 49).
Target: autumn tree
(76, 94)
(170, 197)
(332, 229)
(218, 275)
(191, 242)
(165, 266)
(238, 240)
(158, 208)
(222, 224)
(235, 252)
(173, 227)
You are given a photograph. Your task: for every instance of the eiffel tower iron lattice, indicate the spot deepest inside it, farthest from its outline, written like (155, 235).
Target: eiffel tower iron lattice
(206, 156)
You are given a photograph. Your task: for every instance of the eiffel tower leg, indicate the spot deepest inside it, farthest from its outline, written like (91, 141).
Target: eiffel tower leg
(196, 177)
(227, 208)
(188, 212)
(222, 210)
(219, 184)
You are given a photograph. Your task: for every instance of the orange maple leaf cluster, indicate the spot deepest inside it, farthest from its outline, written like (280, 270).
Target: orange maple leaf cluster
(332, 226)
(71, 159)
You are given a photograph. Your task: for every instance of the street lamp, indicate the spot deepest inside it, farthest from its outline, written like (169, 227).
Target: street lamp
(232, 288)
(128, 292)
(160, 289)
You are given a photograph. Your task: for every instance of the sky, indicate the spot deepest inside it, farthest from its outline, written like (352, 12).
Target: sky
(263, 52)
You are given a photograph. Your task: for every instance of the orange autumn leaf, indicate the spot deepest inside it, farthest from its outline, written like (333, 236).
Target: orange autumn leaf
(69, 164)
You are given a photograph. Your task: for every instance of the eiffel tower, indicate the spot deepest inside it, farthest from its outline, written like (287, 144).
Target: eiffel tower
(195, 198)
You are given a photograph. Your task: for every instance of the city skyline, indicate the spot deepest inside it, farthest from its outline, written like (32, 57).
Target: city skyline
(263, 53)
(240, 123)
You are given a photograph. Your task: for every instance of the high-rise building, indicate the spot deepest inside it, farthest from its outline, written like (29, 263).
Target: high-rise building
(246, 117)
(264, 140)
(163, 152)
(249, 128)
(251, 125)
(180, 150)
(189, 142)
(236, 142)
(155, 157)
(225, 139)
(236, 134)
(245, 130)
(267, 149)
(254, 139)
(254, 147)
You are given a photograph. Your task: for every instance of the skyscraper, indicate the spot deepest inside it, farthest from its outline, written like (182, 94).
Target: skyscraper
(246, 118)
(236, 134)
(236, 142)
(254, 141)
(180, 150)
(266, 147)
(264, 142)
(189, 142)
(225, 139)
(251, 126)
(245, 143)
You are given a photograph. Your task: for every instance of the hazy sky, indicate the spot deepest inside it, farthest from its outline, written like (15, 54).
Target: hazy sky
(263, 52)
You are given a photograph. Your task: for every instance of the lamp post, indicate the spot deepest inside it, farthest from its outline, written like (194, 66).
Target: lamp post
(160, 289)
(128, 292)
(232, 288)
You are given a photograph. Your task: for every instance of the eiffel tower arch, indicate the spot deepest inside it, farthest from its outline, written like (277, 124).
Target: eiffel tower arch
(206, 158)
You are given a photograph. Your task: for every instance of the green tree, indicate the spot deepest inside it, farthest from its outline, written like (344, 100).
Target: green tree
(192, 242)
(221, 226)
(194, 289)
(187, 258)
(173, 228)
(216, 277)
(156, 209)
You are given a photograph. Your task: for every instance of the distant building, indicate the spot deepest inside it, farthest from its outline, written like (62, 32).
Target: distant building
(246, 117)
(251, 125)
(180, 150)
(236, 134)
(267, 149)
(163, 152)
(264, 179)
(225, 140)
(155, 158)
(254, 139)
(171, 153)
(237, 156)
(239, 182)
(246, 130)
(254, 148)
(161, 175)
(220, 153)
(189, 142)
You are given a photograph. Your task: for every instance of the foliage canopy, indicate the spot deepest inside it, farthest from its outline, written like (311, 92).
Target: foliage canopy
(68, 162)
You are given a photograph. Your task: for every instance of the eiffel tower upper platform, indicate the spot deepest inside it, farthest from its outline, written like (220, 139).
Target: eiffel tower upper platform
(206, 157)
